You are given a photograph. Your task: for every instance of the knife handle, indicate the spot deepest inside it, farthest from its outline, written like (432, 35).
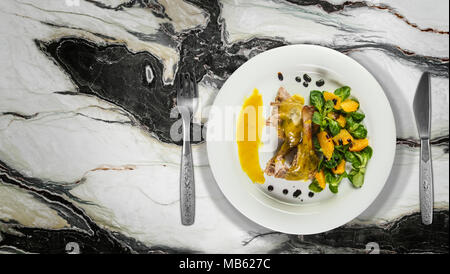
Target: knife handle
(426, 182)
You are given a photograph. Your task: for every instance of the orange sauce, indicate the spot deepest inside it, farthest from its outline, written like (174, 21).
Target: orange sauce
(249, 129)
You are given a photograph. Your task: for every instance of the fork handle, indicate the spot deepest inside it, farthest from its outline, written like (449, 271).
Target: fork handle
(187, 183)
(426, 182)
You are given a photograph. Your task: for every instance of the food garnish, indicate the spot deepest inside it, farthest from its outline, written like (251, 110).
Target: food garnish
(337, 116)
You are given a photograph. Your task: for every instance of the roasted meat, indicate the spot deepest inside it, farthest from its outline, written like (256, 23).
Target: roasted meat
(305, 161)
(274, 119)
(294, 126)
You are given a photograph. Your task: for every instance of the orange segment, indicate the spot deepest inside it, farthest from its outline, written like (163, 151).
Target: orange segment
(320, 177)
(341, 121)
(328, 96)
(359, 144)
(343, 138)
(339, 169)
(326, 144)
(349, 105)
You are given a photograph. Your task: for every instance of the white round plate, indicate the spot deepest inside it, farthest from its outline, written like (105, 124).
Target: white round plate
(302, 214)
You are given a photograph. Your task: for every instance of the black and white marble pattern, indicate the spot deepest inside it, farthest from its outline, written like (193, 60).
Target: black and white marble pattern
(86, 105)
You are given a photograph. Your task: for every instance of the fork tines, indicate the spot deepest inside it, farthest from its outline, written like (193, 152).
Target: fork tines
(187, 85)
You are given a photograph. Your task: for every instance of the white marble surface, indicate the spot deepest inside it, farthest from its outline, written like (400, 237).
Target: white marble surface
(125, 179)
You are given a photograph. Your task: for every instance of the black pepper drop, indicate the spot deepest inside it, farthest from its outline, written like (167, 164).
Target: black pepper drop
(306, 77)
(298, 79)
(297, 193)
(311, 194)
(285, 191)
(320, 83)
(280, 76)
(270, 188)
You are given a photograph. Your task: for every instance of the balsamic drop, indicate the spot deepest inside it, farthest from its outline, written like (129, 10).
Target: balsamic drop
(306, 77)
(320, 82)
(280, 76)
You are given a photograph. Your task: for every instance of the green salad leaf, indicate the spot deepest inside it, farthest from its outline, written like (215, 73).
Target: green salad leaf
(314, 186)
(350, 157)
(317, 118)
(335, 181)
(356, 175)
(334, 127)
(316, 99)
(356, 129)
(364, 156)
(328, 107)
(343, 92)
(360, 132)
(342, 148)
(334, 160)
(317, 144)
(358, 116)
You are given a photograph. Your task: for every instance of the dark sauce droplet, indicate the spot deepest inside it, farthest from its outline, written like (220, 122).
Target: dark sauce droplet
(320, 82)
(297, 193)
(298, 79)
(285, 191)
(306, 77)
(301, 200)
(270, 188)
(305, 84)
(311, 194)
(280, 76)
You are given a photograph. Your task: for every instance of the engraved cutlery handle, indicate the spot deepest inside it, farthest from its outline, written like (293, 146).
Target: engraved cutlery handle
(187, 184)
(426, 182)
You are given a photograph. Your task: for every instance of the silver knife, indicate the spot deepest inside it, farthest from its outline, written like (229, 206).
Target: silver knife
(422, 111)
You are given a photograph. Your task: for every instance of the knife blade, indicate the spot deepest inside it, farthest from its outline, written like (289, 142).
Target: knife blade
(422, 106)
(422, 112)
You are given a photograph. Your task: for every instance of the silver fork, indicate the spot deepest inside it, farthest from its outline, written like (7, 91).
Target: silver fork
(187, 101)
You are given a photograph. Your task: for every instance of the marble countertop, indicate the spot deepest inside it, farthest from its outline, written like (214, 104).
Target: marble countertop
(86, 92)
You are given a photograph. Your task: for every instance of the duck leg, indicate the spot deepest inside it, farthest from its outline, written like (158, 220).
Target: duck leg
(305, 161)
